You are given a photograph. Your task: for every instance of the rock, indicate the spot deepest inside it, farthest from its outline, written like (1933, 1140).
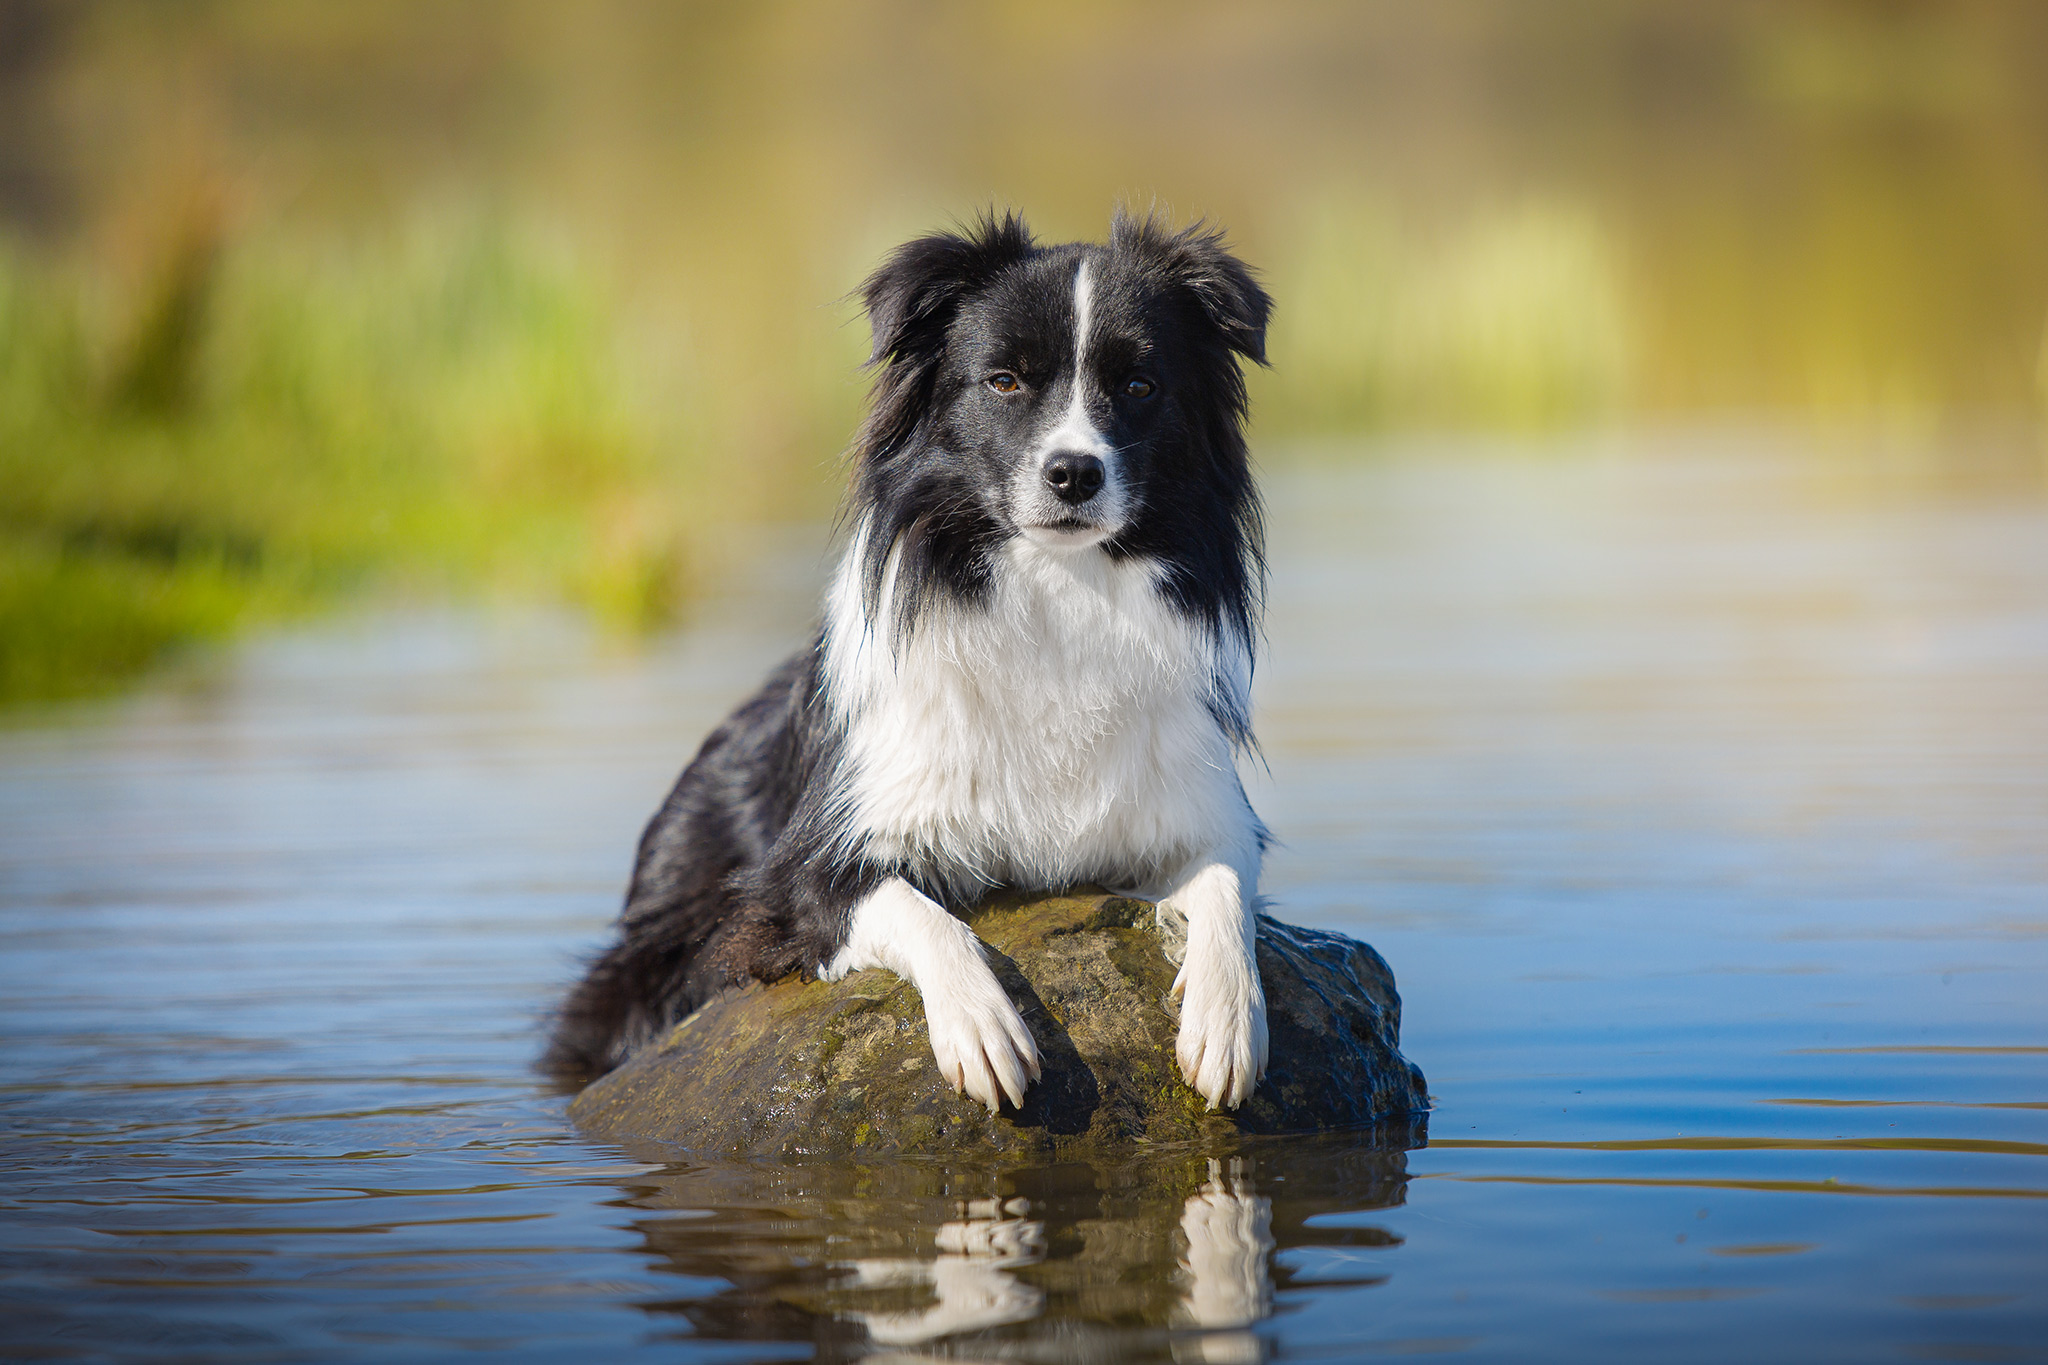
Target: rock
(810, 1068)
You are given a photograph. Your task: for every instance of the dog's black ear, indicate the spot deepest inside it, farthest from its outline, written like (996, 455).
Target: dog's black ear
(912, 298)
(1198, 259)
(911, 302)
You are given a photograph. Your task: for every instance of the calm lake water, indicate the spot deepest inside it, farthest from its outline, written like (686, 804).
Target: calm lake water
(1700, 803)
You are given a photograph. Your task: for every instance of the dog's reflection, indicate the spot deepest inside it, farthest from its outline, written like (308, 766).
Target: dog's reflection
(970, 1278)
(1155, 1253)
(1226, 1284)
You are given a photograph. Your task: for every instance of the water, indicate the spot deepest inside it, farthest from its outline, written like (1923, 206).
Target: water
(1700, 804)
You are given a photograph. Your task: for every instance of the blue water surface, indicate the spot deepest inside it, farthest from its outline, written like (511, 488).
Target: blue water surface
(1696, 789)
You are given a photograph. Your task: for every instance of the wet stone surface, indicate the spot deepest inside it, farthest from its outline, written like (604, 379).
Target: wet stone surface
(815, 1068)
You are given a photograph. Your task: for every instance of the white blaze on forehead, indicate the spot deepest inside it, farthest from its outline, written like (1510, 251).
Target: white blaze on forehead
(1075, 432)
(1084, 294)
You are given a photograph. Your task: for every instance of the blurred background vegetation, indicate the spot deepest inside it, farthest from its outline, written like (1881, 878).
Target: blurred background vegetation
(303, 301)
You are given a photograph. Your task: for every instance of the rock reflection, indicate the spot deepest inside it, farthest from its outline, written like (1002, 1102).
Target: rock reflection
(1174, 1257)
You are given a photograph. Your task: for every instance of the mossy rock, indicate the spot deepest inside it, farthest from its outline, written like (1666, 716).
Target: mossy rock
(835, 1069)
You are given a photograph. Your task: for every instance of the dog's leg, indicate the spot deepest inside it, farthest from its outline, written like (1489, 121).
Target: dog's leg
(1222, 1042)
(978, 1038)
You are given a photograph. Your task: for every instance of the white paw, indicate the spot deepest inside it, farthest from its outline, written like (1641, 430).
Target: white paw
(1222, 1042)
(978, 1038)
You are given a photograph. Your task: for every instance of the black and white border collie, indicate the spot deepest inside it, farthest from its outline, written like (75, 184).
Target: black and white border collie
(1034, 669)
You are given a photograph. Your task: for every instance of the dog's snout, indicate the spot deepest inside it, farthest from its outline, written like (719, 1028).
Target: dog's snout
(1073, 478)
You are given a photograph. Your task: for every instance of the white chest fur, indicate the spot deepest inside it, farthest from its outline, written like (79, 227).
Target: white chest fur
(1062, 733)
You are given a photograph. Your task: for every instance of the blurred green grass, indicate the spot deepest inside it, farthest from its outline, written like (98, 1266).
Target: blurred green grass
(245, 374)
(267, 425)
(272, 426)
(1518, 321)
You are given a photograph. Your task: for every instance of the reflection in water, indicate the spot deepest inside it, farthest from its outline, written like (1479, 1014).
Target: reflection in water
(1229, 1233)
(969, 1280)
(1171, 1258)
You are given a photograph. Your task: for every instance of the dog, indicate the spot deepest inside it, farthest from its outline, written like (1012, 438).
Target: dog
(1034, 668)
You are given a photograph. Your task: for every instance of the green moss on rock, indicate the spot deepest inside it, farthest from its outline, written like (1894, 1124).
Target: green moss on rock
(809, 1068)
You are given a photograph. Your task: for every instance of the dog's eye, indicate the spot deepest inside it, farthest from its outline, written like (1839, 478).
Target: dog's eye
(1138, 387)
(1002, 381)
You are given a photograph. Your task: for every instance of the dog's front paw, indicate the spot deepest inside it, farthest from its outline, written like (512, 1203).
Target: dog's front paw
(979, 1039)
(1222, 1042)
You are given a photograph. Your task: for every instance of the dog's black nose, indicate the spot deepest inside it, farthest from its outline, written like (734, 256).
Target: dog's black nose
(1074, 478)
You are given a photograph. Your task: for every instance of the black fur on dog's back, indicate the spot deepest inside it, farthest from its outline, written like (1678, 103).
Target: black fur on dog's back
(685, 933)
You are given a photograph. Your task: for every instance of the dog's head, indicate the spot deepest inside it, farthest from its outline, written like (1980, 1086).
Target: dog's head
(1088, 398)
